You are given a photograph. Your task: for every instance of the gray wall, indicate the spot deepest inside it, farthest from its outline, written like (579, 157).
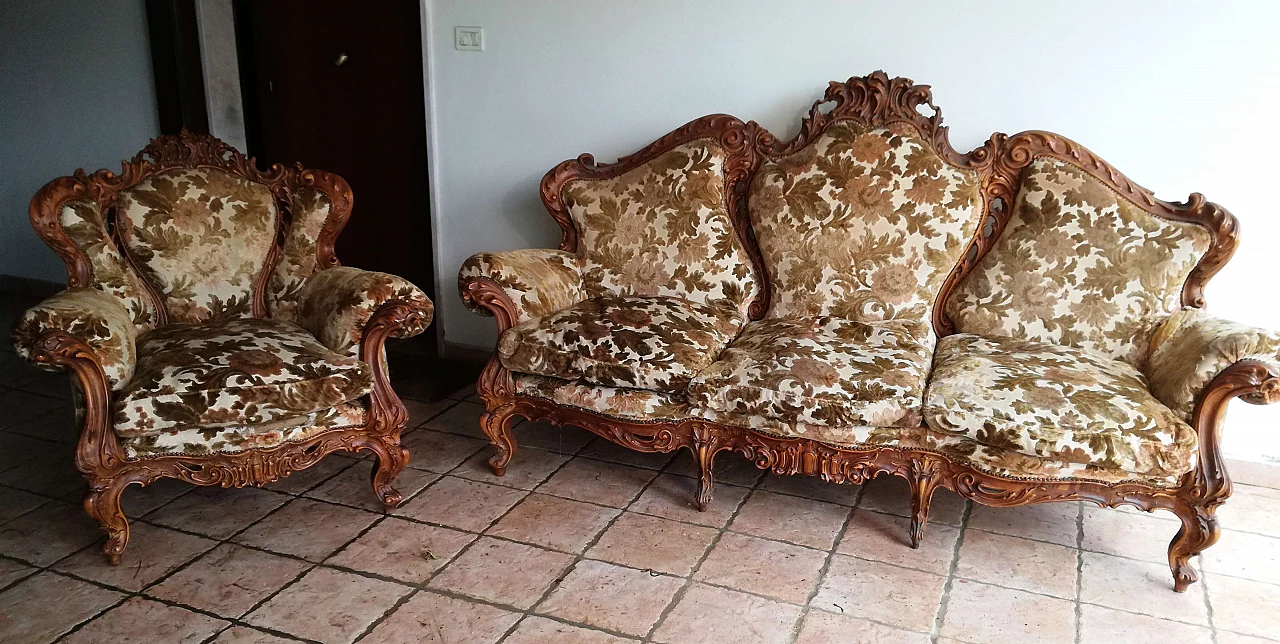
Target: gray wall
(76, 91)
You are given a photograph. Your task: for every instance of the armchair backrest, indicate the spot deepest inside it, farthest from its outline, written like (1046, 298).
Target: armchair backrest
(191, 231)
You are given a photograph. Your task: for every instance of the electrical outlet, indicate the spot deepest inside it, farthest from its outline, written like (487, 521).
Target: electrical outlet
(468, 38)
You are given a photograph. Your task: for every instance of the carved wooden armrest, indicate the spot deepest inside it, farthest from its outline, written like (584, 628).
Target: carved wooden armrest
(79, 324)
(532, 283)
(338, 307)
(1192, 351)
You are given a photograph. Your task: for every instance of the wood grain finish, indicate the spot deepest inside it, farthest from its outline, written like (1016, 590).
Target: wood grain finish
(879, 100)
(100, 457)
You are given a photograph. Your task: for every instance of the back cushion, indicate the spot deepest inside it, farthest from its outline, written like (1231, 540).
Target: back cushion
(662, 229)
(1080, 266)
(83, 223)
(863, 224)
(201, 238)
(309, 211)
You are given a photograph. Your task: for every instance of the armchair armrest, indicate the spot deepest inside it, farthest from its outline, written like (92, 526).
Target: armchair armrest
(1192, 348)
(336, 305)
(94, 318)
(537, 281)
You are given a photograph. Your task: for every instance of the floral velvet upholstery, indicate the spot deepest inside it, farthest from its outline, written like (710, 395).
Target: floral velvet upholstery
(1055, 402)
(656, 343)
(200, 237)
(662, 229)
(247, 372)
(83, 224)
(821, 371)
(617, 402)
(1192, 347)
(91, 316)
(863, 224)
(537, 281)
(195, 441)
(310, 211)
(1079, 266)
(336, 304)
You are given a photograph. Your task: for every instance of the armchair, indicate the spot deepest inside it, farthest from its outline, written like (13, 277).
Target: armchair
(210, 329)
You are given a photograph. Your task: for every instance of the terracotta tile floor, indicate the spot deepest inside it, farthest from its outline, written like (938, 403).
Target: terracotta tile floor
(583, 542)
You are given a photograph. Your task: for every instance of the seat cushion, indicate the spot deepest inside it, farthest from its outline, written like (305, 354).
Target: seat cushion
(202, 441)
(638, 342)
(243, 372)
(821, 371)
(1057, 402)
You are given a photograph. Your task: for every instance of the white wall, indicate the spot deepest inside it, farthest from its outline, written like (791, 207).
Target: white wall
(1180, 96)
(76, 91)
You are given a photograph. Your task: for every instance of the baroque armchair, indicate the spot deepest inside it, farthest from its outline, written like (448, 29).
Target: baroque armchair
(213, 335)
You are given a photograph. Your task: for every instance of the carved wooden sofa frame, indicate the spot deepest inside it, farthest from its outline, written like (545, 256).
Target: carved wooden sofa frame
(99, 454)
(878, 101)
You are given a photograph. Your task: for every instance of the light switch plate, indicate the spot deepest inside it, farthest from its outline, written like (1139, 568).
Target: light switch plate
(468, 38)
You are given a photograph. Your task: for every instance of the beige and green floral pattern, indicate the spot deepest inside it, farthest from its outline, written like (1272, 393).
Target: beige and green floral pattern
(338, 302)
(297, 260)
(243, 372)
(629, 404)
(200, 237)
(538, 281)
(1078, 265)
(226, 440)
(656, 343)
(821, 371)
(1192, 347)
(96, 318)
(863, 224)
(83, 224)
(662, 229)
(1056, 402)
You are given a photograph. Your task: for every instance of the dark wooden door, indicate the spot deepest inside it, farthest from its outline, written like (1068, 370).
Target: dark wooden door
(337, 85)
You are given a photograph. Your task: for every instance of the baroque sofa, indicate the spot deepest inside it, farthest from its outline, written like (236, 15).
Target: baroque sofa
(213, 335)
(1019, 323)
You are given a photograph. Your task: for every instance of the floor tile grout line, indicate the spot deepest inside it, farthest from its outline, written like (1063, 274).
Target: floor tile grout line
(826, 563)
(940, 617)
(689, 578)
(1208, 605)
(1079, 608)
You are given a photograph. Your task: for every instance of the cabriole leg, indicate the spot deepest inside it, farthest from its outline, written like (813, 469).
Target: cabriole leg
(1199, 531)
(497, 426)
(103, 504)
(706, 479)
(921, 495)
(391, 461)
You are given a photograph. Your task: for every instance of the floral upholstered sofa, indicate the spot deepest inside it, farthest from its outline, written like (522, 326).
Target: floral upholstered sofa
(212, 334)
(1019, 324)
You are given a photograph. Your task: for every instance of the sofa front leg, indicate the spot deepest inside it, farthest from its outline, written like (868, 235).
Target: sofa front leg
(497, 426)
(923, 479)
(705, 445)
(1199, 531)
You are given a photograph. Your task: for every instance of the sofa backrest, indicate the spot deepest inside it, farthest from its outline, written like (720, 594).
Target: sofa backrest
(868, 210)
(659, 222)
(1083, 257)
(191, 231)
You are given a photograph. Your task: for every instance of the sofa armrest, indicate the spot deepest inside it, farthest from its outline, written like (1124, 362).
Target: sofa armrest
(336, 305)
(537, 282)
(92, 317)
(1192, 348)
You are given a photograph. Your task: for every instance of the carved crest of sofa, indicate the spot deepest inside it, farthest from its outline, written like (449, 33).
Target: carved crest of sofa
(213, 336)
(1019, 324)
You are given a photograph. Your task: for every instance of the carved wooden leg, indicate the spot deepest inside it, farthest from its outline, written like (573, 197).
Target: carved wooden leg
(921, 494)
(497, 426)
(103, 504)
(706, 479)
(391, 461)
(1199, 531)
(923, 479)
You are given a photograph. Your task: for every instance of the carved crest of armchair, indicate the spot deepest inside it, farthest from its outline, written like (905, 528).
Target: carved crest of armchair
(212, 334)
